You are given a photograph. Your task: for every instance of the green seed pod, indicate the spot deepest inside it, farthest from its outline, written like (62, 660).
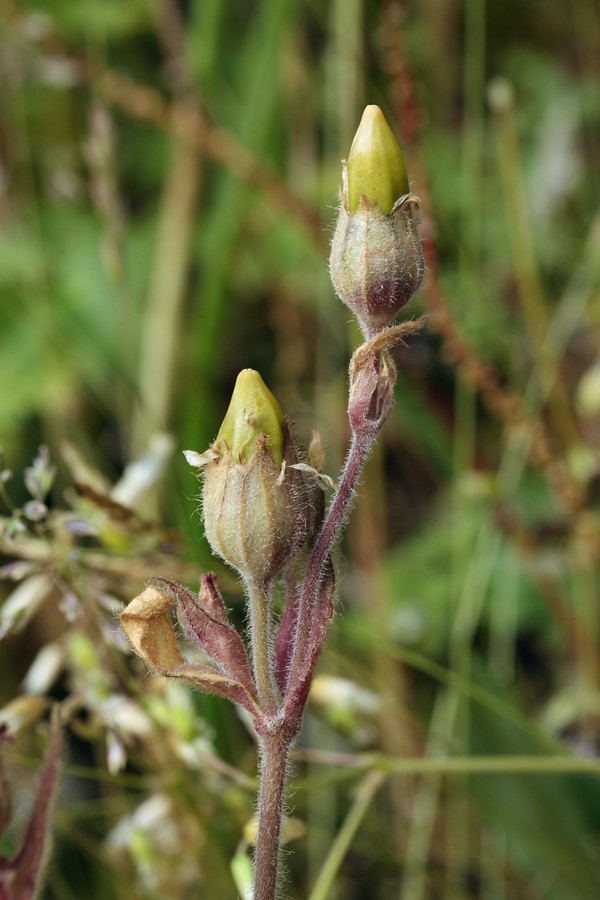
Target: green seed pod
(376, 261)
(256, 505)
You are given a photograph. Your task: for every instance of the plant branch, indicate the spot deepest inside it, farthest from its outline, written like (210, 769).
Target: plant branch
(334, 520)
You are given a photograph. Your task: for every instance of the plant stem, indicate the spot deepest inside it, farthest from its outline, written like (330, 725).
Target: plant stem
(275, 744)
(275, 748)
(260, 625)
(334, 519)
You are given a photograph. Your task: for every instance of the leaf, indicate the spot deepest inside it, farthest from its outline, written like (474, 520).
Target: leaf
(207, 623)
(212, 682)
(152, 636)
(146, 623)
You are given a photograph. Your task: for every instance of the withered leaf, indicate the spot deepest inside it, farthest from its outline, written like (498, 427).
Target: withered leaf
(206, 621)
(146, 623)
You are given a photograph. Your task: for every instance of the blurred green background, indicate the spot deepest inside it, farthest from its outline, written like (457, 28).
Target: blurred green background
(168, 178)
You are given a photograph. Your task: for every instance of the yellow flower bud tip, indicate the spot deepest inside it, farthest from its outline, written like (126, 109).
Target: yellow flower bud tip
(375, 166)
(253, 412)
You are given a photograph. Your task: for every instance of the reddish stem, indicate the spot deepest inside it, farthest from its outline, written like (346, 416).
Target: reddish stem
(332, 525)
(275, 748)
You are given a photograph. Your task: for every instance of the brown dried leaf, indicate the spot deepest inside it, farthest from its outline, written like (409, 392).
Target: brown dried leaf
(373, 375)
(146, 624)
(206, 621)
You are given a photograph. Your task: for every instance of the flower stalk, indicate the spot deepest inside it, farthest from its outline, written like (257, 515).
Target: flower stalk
(261, 642)
(262, 503)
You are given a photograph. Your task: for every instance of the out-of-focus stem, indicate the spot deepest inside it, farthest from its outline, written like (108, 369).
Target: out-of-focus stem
(530, 289)
(367, 546)
(363, 799)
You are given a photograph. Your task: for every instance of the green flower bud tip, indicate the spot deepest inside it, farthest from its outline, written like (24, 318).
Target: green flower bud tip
(253, 411)
(256, 501)
(375, 167)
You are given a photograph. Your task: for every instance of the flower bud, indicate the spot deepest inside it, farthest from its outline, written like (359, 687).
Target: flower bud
(253, 411)
(375, 167)
(376, 261)
(256, 505)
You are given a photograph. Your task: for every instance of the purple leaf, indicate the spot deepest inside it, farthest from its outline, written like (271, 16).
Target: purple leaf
(301, 679)
(146, 622)
(205, 619)
(211, 599)
(213, 682)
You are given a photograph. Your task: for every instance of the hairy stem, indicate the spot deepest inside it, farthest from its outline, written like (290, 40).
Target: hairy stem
(260, 630)
(275, 745)
(275, 748)
(334, 520)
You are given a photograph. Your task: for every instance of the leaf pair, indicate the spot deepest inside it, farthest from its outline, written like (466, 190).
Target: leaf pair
(147, 623)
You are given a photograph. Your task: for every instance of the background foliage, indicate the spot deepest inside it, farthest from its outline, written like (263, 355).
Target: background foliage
(167, 188)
